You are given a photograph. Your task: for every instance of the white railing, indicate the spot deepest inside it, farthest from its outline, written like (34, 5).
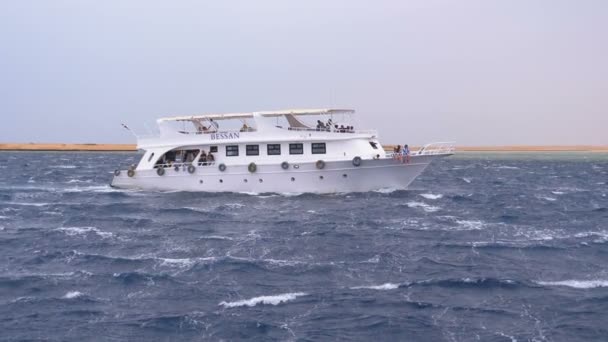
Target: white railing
(334, 130)
(436, 148)
(184, 165)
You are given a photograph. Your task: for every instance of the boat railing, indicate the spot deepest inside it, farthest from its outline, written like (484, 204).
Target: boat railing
(184, 165)
(210, 131)
(334, 130)
(436, 148)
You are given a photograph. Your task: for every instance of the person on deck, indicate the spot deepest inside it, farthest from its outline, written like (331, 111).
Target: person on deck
(406, 154)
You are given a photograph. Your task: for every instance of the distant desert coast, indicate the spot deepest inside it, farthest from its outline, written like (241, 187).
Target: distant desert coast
(132, 147)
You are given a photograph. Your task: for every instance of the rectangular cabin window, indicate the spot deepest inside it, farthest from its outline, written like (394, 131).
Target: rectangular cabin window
(318, 148)
(213, 149)
(232, 150)
(296, 148)
(274, 149)
(252, 150)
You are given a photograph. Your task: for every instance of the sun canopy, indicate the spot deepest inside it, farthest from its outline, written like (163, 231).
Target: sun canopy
(263, 113)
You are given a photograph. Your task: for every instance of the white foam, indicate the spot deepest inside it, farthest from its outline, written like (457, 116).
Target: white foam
(386, 190)
(97, 188)
(547, 198)
(432, 196)
(577, 284)
(72, 295)
(63, 167)
(29, 204)
(557, 192)
(271, 300)
(3, 217)
(470, 224)
(387, 286)
(72, 231)
(467, 180)
(424, 206)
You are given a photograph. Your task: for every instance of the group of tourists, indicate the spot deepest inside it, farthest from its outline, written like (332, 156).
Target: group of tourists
(402, 154)
(206, 159)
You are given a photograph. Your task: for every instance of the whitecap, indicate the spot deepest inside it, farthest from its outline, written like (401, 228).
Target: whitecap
(3, 217)
(387, 286)
(29, 204)
(432, 196)
(424, 206)
(467, 180)
(577, 284)
(72, 295)
(470, 224)
(557, 192)
(63, 167)
(547, 198)
(271, 300)
(97, 188)
(72, 231)
(386, 190)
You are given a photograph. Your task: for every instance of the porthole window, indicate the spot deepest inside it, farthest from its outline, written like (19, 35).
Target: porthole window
(200, 181)
(293, 179)
(245, 180)
(261, 180)
(221, 181)
(320, 177)
(345, 175)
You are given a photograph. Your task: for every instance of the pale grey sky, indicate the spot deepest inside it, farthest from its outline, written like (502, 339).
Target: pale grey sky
(480, 72)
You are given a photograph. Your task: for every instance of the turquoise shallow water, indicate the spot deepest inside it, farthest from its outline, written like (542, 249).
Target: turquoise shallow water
(492, 247)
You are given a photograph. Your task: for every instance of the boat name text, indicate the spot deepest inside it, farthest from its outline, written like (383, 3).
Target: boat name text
(225, 135)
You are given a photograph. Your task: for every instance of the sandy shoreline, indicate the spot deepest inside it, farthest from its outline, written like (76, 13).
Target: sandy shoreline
(132, 147)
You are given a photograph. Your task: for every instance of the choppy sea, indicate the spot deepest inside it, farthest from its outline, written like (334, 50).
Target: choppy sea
(489, 247)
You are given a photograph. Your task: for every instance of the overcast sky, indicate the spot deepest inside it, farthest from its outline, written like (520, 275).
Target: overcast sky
(478, 72)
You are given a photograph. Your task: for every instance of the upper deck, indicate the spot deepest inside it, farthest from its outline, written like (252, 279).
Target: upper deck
(292, 124)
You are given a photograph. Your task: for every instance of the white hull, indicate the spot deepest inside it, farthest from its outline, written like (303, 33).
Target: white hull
(305, 177)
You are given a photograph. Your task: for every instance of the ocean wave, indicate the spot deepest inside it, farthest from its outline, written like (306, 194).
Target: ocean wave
(94, 188)
(72, 295)
(468, 282)
(265, 300)
(426, 207)
(470, 224)
(63, 166)
(72, 231)
(386, 286)
(432, 196)
(577, 284)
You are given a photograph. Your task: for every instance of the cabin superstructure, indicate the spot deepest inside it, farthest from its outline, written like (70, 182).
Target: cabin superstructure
(260, 137)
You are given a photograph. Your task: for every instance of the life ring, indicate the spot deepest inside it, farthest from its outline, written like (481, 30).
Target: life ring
(285, 165)
(357, 161)
(116, 172)
(191, 168)
(131, 173)
(160, 171)
(222, 167)
(320, 164)
(252, 167)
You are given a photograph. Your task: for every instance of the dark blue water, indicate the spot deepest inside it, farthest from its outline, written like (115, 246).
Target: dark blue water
(490, 248)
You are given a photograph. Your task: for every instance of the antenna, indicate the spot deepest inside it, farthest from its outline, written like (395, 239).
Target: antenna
(128, 129)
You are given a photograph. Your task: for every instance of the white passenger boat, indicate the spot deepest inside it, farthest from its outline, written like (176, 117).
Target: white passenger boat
(288, 151)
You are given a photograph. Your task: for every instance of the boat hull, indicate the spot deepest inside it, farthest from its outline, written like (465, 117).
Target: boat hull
(334, 177)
